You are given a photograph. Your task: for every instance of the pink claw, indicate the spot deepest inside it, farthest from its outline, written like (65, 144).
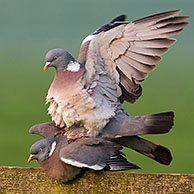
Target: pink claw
(78, 136)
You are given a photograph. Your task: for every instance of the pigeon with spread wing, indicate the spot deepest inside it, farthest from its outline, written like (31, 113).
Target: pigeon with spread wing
(113, 62)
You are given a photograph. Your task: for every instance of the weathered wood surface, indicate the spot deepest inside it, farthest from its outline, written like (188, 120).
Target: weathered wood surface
(32, 180)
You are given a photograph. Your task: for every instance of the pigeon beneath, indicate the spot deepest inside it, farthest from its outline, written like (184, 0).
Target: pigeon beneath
(124, 134)
(63, 161)
(112, 63)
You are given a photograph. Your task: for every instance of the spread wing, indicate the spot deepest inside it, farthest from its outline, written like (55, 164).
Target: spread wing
(119, 58)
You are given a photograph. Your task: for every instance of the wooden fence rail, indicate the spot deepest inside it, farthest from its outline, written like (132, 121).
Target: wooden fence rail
(32, 180)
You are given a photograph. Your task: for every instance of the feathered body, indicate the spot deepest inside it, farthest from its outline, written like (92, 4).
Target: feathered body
(72, 104)
(112, 63)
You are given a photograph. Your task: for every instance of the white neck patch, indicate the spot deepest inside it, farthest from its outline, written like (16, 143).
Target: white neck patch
(73, 66)
(53, 146)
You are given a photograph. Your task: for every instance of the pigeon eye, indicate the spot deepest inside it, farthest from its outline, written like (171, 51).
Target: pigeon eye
(55, 57)
(40, 149)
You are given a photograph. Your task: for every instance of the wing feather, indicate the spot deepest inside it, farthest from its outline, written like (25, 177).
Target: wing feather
(155, 43)
(146, 59)
(155, 18)
(128, 52)
(148, 51)
(138, 64)
(130, 71)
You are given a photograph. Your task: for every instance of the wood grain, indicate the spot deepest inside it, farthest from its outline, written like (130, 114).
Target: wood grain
(33, 180)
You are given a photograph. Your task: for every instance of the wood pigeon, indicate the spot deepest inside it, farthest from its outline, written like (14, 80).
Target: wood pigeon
(113, 62)
(114, 135)
(64, 161)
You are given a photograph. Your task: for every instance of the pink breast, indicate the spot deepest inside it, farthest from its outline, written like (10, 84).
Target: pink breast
(65, 83)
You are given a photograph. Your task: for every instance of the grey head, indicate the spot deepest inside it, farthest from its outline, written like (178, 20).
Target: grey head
(59, 59)
(42, 149)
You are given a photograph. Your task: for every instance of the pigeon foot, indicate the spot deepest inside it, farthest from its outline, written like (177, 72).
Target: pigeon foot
(78, 136)
(61, 132)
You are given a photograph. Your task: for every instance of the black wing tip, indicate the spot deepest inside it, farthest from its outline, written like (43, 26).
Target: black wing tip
(118, 162)
(112, 24)
(120, 18)
(120, 167)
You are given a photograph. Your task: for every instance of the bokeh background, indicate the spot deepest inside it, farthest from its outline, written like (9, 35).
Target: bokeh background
(28, 29)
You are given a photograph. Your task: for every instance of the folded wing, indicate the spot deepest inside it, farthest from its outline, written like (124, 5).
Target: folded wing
(96, 154)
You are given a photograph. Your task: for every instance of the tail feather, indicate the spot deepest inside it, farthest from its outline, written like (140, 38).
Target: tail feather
(155, 151)
(159, 123)
(139, 125)
(150, 124)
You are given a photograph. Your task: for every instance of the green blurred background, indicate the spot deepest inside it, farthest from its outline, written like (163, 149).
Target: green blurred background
(30, 28)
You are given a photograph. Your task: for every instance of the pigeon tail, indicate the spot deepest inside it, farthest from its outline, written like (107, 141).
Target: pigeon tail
(154, 151)
(139, 125)
(149, 124)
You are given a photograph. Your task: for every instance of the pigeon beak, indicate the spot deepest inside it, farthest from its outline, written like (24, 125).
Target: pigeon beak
(30, 158)
(47, 64)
